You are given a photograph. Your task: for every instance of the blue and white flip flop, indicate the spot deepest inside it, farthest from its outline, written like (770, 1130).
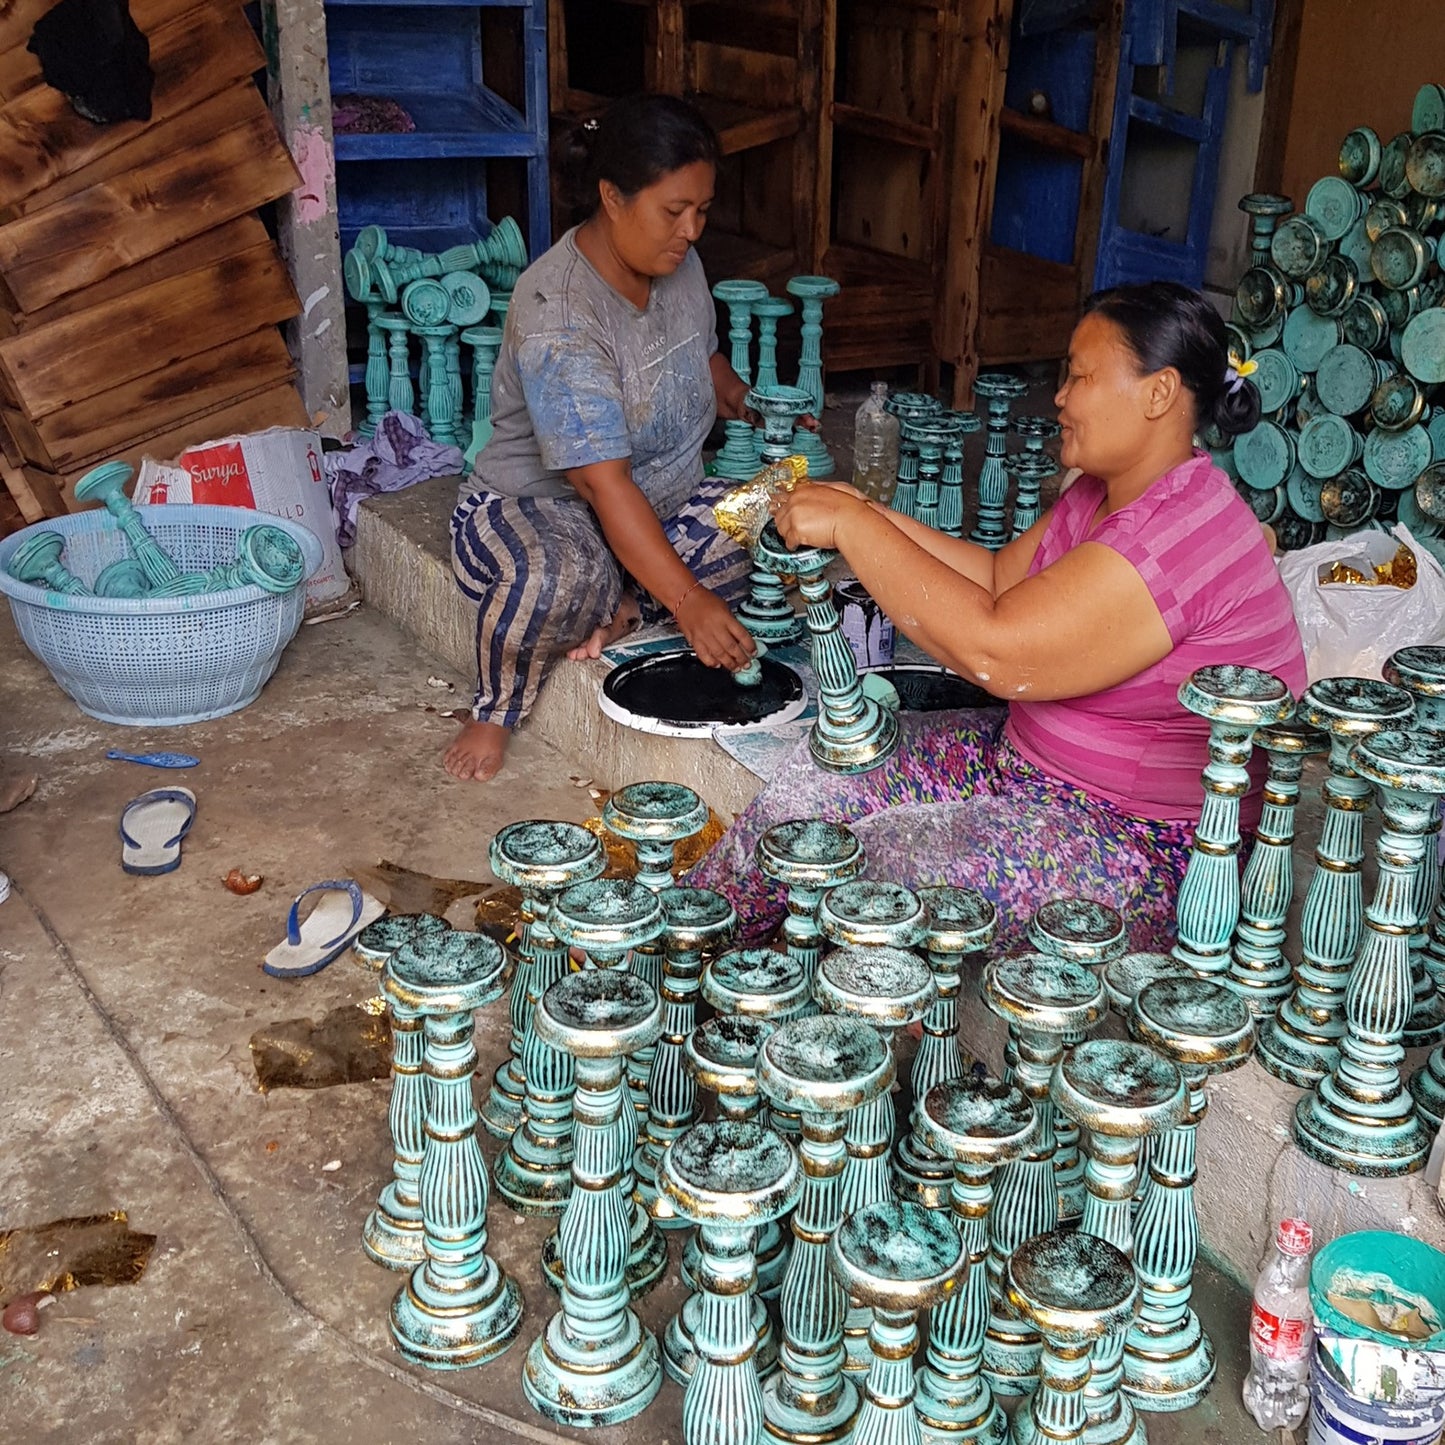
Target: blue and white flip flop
(151, 829)
(343, 910)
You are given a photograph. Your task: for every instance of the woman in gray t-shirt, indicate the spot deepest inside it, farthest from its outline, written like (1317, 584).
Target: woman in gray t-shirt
(588, 507)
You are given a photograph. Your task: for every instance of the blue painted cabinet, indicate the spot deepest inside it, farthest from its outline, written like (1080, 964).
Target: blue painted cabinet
(1170, 108)
(428, 187)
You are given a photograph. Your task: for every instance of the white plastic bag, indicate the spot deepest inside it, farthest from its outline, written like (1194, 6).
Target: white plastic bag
(1351, 631)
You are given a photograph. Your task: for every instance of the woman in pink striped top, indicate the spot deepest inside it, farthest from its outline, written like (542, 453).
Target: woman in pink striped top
(1147, 568)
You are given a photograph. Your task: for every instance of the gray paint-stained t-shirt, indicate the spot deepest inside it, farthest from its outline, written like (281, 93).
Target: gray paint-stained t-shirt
(584, 376)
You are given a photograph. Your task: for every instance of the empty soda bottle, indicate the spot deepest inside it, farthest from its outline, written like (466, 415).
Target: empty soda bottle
(1281, 1332)
(875, 446)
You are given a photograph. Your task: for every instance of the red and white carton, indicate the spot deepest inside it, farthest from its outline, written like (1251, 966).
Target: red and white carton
(277, 471)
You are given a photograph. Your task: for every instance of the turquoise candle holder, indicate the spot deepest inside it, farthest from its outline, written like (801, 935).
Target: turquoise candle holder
(1264, 212)
(1127, 977)
(979, 1125)
(808, 857)
(1301, 1043)
(909, 407)
(267, 557)
(812, 292)
(608, 920)
(540, 859)
(726, 1178)
(1043, 1000)
(1033, 467)
(125, 578)
(1236, 701)
(780, 407)
(459, 1308)
(898, 1259)
(959, 925)
(950, 500)
(378, 372)
(769, 311)
(37, 561)
(1122, 1093)
(106, 484)
(1168, 1358)
(822, 1068)
(695, 920)
(437, 414)
(1000, 390)
(1360, 1119)
(1075, 1290)
(852, 734)
(1258, 971)
(486, 345)
(399, 393)
(739, 459)
(595, 1364)
(933, 437)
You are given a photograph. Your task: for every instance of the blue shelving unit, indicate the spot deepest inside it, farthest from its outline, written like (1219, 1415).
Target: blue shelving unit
(428, 187)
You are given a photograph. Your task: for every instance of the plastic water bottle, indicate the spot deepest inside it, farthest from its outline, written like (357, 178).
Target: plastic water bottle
(875, 446)
(1281, 1332)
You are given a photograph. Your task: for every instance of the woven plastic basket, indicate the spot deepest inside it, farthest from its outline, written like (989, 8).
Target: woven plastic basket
(173, 660)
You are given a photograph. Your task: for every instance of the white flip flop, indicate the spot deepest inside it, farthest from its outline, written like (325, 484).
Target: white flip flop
(343, 910)
(151, 829)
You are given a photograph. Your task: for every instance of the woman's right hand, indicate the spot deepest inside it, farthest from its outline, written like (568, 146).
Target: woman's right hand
(712, 631)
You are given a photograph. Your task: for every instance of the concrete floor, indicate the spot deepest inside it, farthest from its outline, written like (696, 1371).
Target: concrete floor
(127, 1005)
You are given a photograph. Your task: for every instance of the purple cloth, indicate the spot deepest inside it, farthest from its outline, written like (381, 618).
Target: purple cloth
(400, 455)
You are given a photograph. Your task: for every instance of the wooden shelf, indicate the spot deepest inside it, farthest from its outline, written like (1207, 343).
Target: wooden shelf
(1046, 134)
(726, 255)
(745, 127)
(857, 121)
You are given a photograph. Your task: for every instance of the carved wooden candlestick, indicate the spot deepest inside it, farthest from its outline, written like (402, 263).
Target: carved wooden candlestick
(1264, 212)
(654, 817)
(437, 415)
(739, 458)
(770, 311)
(780, 407)
(722, 1055)
(1093, 935)
(378, 941)
(595, 1364)
(458, 1308)
(1301, 1043)
(541, 859)
(1126, 977)
(1360, 1119)
(106, 484)
(486, 344)
(933, 437)
(1168, 1359)
(1236, 701)
(37, 561)
(393, 1235)
(1258, 972)
(979, 1125)
(898, 1259)
(1421, 672)
(1075, 1290)
(378, 373)
(1001, 390)
(852, 733)
(694, 921)
(1425, 668)
(812, 292)
(950, 501)
(608, 919)
(1043, 999)
(727, 1178)
(399, 393)
(822, 1068)
(1122, 1093)
(889, 988)
(808, 857)
(959, 924)
(1033, 467)
(909, 407)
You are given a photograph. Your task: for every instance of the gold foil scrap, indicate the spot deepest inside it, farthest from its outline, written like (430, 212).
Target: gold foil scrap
(1400, 571)
(350, 1045)
(686, 855)
(91, 1249)
(743, 512)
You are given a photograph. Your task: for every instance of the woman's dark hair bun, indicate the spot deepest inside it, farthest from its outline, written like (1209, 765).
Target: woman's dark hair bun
(634, 143)
(1167, 324)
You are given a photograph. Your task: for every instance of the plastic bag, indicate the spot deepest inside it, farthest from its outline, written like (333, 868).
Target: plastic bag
(1350, 631)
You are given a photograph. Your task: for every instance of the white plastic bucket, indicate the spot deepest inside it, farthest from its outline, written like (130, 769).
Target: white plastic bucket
(1337, 1418)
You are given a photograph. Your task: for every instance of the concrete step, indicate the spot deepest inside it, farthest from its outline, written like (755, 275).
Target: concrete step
(402, 563)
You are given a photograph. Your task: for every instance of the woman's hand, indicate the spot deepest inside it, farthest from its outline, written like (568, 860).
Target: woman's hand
(732, 400)
(809, 515)
(712, 631)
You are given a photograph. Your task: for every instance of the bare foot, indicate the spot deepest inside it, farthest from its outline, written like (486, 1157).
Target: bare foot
(478, 751)
(627, 617)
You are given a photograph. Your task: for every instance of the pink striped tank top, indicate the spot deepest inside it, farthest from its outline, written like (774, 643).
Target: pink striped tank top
(1203, 557)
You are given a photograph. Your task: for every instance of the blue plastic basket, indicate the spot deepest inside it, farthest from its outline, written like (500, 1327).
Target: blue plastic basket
(173, 660)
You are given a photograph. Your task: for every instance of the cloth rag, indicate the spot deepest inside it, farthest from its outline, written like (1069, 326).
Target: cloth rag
(398, 456)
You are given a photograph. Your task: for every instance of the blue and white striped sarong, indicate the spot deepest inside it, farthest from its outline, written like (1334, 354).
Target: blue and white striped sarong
(544, 578)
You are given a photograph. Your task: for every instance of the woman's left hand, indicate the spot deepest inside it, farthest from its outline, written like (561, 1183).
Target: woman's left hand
(809, 515)
(732, 403)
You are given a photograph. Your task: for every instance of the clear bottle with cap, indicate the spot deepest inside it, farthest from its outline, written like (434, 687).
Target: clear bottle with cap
(1281, 1332)
(875, 446)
